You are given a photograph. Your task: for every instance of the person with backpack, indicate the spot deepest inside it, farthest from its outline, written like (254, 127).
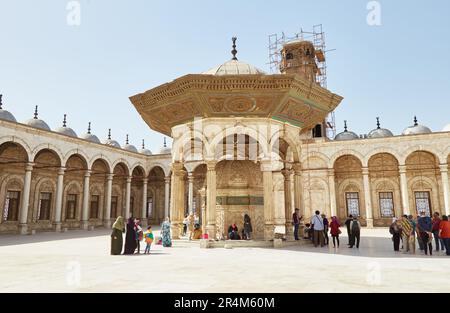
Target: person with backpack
(335, 231)
(396, 231)
(425, 226)
(318, 227)
(355, 233)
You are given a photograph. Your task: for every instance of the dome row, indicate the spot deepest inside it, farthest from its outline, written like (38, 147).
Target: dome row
(36, 122)
(379, 132)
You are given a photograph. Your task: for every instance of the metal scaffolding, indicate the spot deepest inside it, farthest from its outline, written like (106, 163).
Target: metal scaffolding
(317, 37)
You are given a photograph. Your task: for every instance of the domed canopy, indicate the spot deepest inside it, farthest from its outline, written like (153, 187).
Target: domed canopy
(143, 150)
(417, 129)
(66, 130)
(36, 122)
(234, 67)
(165, 149)
(446, 128)
(111, 142)
(5, 115)
(89, 136)
(129, 147)
(346, 135)
(380, 132)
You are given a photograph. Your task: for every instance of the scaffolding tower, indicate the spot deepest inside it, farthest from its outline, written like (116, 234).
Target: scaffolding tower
(317, 37)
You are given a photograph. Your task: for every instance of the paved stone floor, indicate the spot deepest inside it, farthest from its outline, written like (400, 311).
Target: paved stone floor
(79, 261)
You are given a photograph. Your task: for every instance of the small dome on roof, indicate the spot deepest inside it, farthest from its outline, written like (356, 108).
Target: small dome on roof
(234, 67)
(36, 122)
(346, 135)
(66, 130)
(129, 147)
(89, 136)
(6, 115)
(143, 150)
(417, 129)
(111, 142)
(164, 149)
(380, 132)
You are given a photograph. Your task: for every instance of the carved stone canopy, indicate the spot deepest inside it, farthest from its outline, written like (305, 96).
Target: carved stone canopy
(284, 97)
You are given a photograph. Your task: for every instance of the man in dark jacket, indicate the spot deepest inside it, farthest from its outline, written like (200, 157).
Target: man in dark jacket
(296, 221)
(347, 224)
(425, 225)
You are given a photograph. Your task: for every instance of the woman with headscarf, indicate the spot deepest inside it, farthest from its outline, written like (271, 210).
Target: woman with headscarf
(335, 231)
(165, 233)
(247, 227)
(130, 239)
(116, 236)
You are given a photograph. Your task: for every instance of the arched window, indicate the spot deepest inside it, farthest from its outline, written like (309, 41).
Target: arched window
(11, 207)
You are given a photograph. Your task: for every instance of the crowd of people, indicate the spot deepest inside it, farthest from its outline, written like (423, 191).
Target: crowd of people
(405, 231)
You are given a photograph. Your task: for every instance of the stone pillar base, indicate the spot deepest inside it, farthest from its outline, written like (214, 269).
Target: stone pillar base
(84, 225)
(176, 230)
(107, 223)
(268, 232)
(211, 231)
(278, 243)
(369, 223)
(57, 227)
(290, 232)
(23, 229)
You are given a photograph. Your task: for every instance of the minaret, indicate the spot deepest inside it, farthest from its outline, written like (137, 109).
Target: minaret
(299, 57)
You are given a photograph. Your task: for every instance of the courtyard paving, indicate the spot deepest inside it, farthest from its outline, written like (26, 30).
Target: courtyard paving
(79, 261)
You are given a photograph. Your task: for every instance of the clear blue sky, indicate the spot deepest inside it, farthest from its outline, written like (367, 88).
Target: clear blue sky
(395, 71)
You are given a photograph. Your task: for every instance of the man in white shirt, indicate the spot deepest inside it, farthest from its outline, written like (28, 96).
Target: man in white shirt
(318, 227)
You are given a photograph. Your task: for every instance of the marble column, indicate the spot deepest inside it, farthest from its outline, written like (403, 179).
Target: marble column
(404, 190)
(59, 198)
(177, 208)
(367, 197)
(298, 200)
(191, 193)
(211, 199)
(166, 196)
(107, 216)
(287, 204)
(144, 219)
(332, 186)
(23, 216)
(128, 198)
(202, 194)
(445, 186)
(85, 210)
(266, 169)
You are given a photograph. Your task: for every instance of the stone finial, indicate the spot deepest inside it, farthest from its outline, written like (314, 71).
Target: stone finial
(143, 144)
(65, 120)
(1, 103)
(416, 122)
(345, 126)
(89, 128)
(126, 141)
(109, 134)
(378, 123)
(36, 113)
(234, 51)
(165, 144)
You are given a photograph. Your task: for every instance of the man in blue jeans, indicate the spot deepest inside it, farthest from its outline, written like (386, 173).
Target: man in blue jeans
(296, 221)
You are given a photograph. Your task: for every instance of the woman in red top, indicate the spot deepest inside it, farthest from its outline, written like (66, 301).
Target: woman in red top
(335, 231)
(444, 233)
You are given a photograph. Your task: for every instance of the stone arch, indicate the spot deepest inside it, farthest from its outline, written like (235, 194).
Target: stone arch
(122, 162)
(286, 136)
(346, 152)
(49, 147)
(21, 144)
(78, 152)
(180, 143)
(238, 130)
(140, 167)
(166, 170)
(99, 156)
(72, 187)
(43, 185)
(424, 148)
(10, 182)
(382, 150)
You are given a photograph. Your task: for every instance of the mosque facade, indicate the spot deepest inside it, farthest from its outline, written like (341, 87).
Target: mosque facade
(244, 142)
